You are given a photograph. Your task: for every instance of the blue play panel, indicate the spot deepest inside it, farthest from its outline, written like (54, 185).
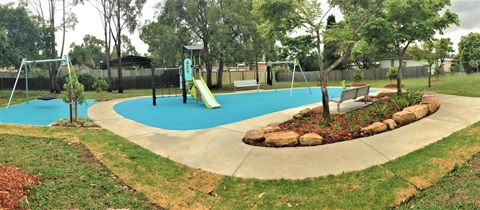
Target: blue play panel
(38, 112)
(171, 113)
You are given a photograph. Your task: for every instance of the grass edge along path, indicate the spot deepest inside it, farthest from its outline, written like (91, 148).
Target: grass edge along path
(175, 186)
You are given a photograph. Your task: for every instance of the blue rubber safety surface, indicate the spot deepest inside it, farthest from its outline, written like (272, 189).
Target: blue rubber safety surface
(38, 112)
(170, 113)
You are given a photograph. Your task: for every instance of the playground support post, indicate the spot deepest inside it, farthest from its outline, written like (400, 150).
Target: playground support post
(184, 89)
(297, 63)
(154, 97)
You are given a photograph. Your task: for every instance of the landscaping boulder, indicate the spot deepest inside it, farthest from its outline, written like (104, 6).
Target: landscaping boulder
(254, 136)
(404, 117)
(420, 111)
(431, 101)
(317, 110)
(391, 124)
(273, 125)
(376, 127)
(305, 112)
(384, 98)
(269, 128)
(311, 139)
(281, 138)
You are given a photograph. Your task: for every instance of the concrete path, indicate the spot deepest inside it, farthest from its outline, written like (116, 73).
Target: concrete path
(220, 149)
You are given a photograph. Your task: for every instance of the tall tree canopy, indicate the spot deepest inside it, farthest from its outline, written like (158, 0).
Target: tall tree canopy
(20, 36)
(469, 52)
(403, 22)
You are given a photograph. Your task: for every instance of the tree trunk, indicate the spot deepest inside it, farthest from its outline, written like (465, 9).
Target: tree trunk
(119, 51)
(399, 75)
(220, 73)
(107, 41)
(323, 82)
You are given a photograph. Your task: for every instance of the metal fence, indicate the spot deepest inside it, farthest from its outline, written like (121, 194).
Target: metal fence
(166, 78)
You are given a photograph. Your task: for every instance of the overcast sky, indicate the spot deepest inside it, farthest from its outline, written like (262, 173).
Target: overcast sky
(89, 22)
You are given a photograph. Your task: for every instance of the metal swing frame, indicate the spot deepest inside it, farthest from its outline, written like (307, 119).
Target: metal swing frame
(25, 62)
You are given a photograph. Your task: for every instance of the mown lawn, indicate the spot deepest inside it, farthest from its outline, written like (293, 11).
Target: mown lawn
(436, 174)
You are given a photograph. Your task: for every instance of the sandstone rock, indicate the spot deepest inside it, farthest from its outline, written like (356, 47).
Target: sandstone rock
(317, 110)
(404, 117)
(282, 138)
(305, 112)
(254, 136)
(390, 123)
(273, 124)
(297, 116)
(385, 98)
(311, 139)
(431, 101)
(268, 129)
(376, 127)
(420, 111)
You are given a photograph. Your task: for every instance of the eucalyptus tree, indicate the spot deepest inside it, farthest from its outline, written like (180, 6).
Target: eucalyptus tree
(125, 15)
(105, 9)
(404, 22)
(47, 19)
(88, 53)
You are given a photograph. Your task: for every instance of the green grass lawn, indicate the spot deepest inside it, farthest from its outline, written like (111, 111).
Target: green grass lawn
(436, 174)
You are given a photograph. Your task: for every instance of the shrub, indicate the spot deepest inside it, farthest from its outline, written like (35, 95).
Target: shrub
(413, 96)
(455, 68)
(84, 78)
(392, 73)
(380, 109)
(100, 84)
(280, 69)
(357, 76)
(399, 102)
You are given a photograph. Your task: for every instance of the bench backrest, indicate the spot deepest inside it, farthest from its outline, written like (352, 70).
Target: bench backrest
(245, 82)
(354, 93)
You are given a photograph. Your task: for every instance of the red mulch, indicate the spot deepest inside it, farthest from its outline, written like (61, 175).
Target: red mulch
(393, 86)
(14, 185)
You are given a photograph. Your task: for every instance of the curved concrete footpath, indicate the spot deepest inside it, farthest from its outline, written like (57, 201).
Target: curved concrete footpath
(220, 149)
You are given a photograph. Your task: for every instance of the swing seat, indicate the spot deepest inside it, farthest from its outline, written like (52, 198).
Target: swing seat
(47, 97)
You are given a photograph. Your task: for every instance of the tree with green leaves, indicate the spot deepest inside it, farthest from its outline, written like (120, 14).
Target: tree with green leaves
(48, 21)
(404, 22)
(88, 53)
(364, 55)
(20, 36)
(427, 53)
(469, 52)
(286, 15)
(74, 92)
(100, 84)
(302, 48)
(124, 16)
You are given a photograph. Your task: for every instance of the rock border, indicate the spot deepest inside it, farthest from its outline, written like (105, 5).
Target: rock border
(272, 137)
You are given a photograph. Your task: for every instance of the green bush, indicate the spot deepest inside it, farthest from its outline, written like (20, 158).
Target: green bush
(399, 102)
(392, 73)
(413, 96)
(380, 109)
(455, 68)
(357, 76)
(280, 69)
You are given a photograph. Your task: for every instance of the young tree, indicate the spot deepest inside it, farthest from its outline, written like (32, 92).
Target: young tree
(443, 49)
(100, 84)
(468, 52)
(403, 22)
(424, 52)
(74, 90)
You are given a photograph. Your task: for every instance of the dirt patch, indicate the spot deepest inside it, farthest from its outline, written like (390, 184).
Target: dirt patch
(404, 194)
(14, 184)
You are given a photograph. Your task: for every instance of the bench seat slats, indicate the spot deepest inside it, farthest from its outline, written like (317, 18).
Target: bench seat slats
(244, 83)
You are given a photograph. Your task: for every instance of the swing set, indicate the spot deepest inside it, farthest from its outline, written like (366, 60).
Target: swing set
(25, 65)
(271, 75)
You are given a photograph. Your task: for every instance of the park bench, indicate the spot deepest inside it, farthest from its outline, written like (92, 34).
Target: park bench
(244, 83)
(352, 93)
